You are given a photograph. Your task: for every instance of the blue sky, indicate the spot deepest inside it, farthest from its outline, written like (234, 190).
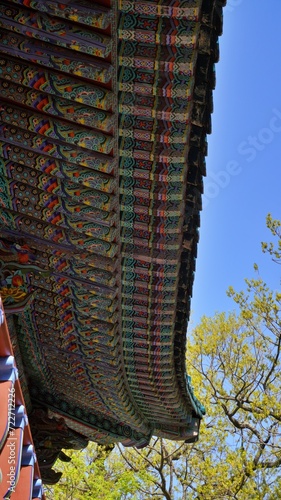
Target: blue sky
(243, 163)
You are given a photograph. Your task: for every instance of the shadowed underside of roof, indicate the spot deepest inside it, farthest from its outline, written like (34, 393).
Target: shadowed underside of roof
(104, 113)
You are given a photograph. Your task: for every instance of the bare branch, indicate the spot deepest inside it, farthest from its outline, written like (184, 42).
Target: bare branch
(274, 364)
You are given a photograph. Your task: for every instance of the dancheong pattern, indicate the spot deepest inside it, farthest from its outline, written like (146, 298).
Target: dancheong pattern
(104, 110)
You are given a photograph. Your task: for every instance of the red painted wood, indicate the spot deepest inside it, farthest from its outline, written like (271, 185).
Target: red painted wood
(24, 487)
(10, 461)
(6, 389)
(23, 436)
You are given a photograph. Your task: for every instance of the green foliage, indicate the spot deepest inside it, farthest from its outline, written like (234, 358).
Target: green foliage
(234, 361)
(274, 225)
(90, 475)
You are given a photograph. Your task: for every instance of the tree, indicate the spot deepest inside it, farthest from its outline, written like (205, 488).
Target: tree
(124, 474)
(274, 225)
(234, 360)
(162, 469)
(88, 476)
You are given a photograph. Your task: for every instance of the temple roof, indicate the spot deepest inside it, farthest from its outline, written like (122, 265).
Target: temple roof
(104, 113)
